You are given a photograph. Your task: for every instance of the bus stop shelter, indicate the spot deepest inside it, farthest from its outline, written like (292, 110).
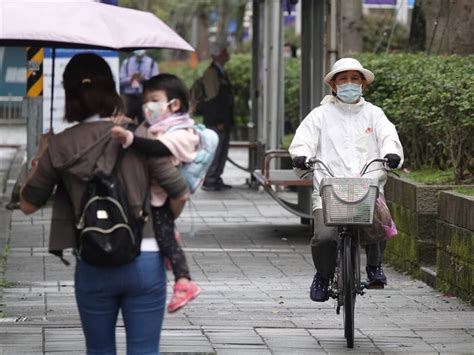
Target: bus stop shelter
(318, 52)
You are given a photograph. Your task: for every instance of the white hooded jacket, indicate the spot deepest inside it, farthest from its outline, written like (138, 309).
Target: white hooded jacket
(345, 137)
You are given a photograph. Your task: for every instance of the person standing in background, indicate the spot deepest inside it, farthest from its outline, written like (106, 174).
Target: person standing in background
(133, 72)
(218, 112)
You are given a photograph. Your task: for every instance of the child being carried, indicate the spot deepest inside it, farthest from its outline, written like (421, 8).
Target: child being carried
(166, 105)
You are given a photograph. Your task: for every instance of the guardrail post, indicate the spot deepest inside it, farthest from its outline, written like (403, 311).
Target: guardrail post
(33, 103)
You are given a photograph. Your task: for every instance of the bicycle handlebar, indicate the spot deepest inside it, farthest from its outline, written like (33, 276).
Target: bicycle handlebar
(311, 162)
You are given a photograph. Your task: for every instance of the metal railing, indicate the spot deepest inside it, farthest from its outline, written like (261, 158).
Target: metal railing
(10, 109)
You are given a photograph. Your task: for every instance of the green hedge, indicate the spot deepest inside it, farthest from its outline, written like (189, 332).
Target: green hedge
(429, 98)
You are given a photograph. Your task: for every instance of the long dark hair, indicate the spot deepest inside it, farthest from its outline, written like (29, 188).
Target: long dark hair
(90, 88)
(172, 86)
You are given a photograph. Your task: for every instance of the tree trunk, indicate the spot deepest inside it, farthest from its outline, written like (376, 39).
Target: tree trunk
(202, 45)
(352, 35)
(417, 39)
(240, 25)
(449, 26)
(221, 34)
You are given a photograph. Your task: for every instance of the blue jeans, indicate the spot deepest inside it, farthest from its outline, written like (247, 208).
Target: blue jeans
(138, 289)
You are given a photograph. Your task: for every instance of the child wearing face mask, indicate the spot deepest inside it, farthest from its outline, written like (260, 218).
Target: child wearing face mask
(345, 131)
(166, 105)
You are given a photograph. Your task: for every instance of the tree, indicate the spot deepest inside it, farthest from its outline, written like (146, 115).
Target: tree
(443, 26)
(240, 15)
(190, 19)
(351, 26)
(417, 38)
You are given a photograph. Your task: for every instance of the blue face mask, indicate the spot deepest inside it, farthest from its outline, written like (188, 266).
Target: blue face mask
(349, 92)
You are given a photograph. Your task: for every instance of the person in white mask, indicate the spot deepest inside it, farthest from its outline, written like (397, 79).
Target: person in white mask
(345, 132)
(166, 105)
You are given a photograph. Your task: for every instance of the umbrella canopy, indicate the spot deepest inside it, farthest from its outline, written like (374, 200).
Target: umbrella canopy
(83, 24)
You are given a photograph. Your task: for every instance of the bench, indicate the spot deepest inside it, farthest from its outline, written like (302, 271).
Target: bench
(270, 179)
(253, 151)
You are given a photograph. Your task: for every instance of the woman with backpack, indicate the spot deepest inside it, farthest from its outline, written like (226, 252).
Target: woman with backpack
(73, 157)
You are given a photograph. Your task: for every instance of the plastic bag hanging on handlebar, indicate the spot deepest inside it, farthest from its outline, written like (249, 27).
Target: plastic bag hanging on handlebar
(383, 226)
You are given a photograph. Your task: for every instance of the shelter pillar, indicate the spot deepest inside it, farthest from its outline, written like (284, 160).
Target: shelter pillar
(256, 126)
(312, 55)
(271, 130)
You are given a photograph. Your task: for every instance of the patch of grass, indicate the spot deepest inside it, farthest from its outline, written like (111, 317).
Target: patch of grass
(5, 283)
(465, 190)
(430, 176)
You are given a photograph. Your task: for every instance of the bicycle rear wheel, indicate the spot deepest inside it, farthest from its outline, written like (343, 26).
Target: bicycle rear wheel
(349, 292)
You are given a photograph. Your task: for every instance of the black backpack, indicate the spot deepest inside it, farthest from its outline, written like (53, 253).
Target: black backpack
(108, 234)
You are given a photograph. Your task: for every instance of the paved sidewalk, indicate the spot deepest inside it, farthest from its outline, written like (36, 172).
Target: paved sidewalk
(253, 262)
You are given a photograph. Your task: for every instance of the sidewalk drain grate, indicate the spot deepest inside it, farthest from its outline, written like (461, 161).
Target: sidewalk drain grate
(18, 319)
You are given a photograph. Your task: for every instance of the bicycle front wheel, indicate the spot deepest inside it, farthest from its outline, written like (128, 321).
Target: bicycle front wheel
(349, 292)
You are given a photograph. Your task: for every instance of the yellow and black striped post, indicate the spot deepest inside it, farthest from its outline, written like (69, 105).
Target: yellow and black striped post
(34, 85)
(33, 102)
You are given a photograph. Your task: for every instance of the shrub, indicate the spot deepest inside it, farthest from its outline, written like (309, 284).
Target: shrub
(429, 98)
(291, 94)
(239, 69)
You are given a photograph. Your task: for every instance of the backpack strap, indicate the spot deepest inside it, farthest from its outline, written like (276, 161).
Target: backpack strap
(196, 127)
(180, 126)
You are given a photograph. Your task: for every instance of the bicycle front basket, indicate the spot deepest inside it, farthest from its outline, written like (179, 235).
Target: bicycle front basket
(348, 201)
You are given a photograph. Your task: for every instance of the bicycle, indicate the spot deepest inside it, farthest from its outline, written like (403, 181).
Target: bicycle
(348, 203)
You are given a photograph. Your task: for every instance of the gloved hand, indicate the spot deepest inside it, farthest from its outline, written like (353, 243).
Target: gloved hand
(300, 163)
(393, 160)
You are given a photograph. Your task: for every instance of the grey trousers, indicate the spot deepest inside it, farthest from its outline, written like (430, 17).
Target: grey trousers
(216, 169)
(324, 247)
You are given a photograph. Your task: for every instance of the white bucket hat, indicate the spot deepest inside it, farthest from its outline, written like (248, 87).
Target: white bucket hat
(345, 64)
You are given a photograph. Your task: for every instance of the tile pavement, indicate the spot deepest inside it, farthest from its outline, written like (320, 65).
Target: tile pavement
(252, 260)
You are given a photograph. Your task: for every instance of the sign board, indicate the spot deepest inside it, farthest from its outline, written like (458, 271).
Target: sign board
(12, 71)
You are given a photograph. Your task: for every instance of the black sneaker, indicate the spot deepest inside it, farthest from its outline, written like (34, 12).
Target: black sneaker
(376, 277)
(319, 289)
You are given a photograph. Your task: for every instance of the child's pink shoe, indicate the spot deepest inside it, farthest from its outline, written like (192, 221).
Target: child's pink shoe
(183, 292)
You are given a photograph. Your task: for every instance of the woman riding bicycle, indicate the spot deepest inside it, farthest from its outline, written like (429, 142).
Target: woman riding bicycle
(345, 132)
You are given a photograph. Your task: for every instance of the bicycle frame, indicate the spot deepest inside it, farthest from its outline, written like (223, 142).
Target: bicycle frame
(346, 282)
